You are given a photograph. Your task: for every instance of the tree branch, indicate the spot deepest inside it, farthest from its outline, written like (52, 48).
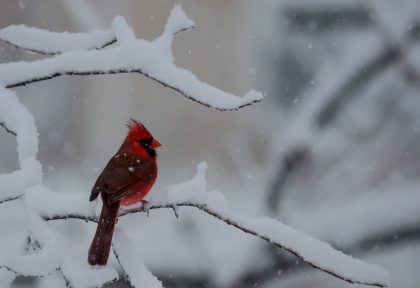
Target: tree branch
(289, 266)
(2, 124)
(10, 199)
(48, 53)
(50, 43)
(165, 84)
(152, 59)
(232, 222)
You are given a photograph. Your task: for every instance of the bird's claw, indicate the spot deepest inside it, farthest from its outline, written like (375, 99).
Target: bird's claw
(145, 206)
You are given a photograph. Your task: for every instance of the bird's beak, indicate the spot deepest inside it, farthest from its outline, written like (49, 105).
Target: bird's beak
(155, 144)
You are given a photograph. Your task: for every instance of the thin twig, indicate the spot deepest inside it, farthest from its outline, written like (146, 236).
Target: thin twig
(66, 280)
(2, 124)
(10, 199)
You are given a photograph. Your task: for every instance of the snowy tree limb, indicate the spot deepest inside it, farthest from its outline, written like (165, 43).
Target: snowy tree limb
(289, 265)
(51, 205)
(45, 42)
(249, 229)
(134, 270)
(152, 59)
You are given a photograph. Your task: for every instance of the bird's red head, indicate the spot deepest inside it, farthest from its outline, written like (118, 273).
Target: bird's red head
(140, 140)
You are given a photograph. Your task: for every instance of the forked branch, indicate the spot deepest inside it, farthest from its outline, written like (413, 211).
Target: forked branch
(82, 54)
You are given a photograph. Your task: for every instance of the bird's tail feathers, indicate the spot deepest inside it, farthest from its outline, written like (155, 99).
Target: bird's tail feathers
(101, 243)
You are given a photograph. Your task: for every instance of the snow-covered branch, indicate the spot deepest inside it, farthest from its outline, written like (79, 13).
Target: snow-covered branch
(152, 59)
(316, 253)
(51, 43)
(135, 271)
(370, 274)
(21, 122)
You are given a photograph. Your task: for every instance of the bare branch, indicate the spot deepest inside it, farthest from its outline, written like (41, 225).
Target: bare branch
(2, 124)
(205, 208)
(10, 199)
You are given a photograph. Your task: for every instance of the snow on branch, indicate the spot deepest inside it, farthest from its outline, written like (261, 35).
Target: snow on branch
(153, 59)
(6, 277)
(316, 253)
(15, 117)
(134, 269)
(50, 43)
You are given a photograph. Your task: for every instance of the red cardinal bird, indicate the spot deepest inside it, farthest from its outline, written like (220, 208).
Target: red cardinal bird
(126, 179)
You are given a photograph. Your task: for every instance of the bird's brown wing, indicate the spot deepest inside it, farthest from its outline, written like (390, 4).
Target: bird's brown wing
(122, 172)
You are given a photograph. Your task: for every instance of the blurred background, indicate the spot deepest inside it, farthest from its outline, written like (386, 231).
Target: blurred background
(333, 149)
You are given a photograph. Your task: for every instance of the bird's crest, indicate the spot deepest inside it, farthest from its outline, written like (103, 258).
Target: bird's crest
(137, 129)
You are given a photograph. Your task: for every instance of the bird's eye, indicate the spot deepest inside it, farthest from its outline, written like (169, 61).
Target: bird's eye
(146, 142)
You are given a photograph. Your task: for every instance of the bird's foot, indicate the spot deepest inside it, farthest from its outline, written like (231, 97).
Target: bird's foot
(145, 206)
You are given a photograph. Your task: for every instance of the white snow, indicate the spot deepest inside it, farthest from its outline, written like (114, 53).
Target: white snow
(122, 31)
(17, 117)
(49, 203)
(137, 273)
(47, 42)
(178, 21)
(6, 277)
(54, 280)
